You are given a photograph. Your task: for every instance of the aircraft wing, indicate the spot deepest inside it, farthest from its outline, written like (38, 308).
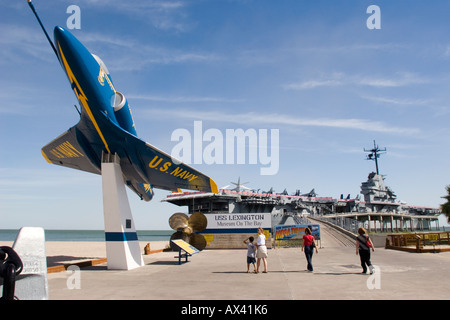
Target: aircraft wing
(141, 163)
(164, 172)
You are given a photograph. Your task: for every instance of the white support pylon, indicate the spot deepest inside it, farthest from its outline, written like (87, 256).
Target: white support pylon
(122, 246)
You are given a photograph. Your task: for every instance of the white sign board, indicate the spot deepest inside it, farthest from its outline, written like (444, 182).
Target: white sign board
(238, 220)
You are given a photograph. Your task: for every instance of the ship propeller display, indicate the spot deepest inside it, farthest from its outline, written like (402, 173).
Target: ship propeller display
(186, 228)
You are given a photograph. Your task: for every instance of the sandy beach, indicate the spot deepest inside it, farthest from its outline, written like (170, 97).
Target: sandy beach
(67, 252)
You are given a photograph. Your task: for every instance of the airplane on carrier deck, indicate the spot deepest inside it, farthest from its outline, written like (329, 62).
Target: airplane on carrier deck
(310, 194)
(239, 186)
(106, 126)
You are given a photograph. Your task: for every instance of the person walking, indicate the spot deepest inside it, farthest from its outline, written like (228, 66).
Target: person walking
(308, 246)
(363, 246)
(261, 250)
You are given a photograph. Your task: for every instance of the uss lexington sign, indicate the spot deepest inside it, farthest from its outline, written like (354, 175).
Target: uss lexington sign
(238, 221)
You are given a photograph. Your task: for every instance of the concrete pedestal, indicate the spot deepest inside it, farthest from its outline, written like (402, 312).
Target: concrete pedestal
(122, 246)
(31, 283)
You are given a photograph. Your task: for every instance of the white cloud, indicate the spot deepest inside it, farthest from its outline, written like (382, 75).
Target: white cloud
(130, 54)
(402, 102)
(283, 120)
(311, 84)
(181, 99)
(16, 39)
(337, 79)
(398, 80)
(164, 15)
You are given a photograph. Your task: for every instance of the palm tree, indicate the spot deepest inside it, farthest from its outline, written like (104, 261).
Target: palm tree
(446, 206)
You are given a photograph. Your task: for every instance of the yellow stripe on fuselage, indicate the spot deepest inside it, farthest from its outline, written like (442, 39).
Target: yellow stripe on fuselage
(82, 97)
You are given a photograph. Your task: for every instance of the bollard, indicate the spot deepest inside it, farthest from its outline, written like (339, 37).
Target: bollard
(147, 249)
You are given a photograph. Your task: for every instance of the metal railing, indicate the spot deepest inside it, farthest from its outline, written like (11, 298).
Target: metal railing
(419, 242)
(348, 224)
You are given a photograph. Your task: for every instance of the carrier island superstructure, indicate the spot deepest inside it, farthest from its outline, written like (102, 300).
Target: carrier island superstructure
(234, 214)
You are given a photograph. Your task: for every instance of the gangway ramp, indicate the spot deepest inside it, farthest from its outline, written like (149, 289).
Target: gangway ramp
(332, 236)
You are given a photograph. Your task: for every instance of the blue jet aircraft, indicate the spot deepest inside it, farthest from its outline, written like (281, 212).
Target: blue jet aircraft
(106, 126)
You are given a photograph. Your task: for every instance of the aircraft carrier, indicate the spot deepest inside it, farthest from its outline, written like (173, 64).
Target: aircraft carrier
(234, 214)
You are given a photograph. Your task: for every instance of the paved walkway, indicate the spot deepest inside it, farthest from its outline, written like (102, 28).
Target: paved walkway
(221, 275)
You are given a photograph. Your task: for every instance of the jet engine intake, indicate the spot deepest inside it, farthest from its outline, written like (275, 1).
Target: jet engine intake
(123, 114)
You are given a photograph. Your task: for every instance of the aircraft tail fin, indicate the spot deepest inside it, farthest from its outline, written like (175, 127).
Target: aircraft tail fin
(66, 150)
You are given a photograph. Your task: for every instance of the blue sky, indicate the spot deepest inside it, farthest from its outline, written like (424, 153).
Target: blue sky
(311, 69)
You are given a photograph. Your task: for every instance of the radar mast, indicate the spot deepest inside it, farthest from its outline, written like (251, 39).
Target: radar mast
(375, 154)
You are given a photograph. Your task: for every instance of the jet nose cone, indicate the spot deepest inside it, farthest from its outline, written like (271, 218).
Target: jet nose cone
(69, 47)
(60, 35)
(59, 30)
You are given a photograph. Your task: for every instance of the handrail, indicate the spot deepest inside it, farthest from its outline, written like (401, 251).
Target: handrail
(418, 241)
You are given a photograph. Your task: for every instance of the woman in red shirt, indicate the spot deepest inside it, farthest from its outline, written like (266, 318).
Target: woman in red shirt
(308, 246)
